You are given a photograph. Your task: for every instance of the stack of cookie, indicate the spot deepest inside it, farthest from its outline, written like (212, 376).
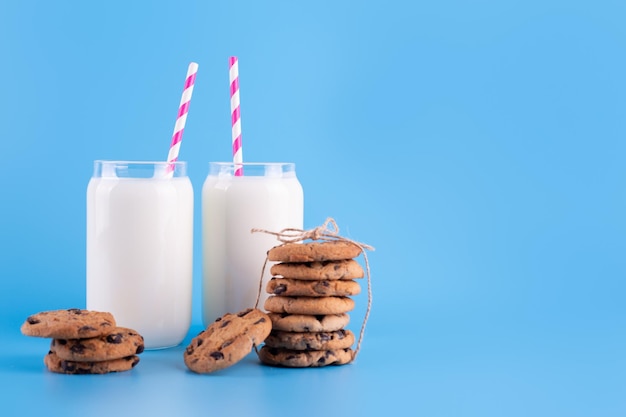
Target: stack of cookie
(85, 342)
(309, 304)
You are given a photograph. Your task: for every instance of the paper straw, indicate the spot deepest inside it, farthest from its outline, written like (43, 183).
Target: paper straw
(235, 115)
(183, 109)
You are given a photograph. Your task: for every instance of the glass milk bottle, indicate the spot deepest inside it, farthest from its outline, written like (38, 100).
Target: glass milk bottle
(139, 247)
(267, 196)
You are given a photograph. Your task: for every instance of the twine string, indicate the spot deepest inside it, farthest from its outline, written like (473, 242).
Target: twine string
(328, 231)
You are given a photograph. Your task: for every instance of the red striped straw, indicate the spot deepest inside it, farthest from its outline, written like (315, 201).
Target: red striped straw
(235, 115)
(183, 109)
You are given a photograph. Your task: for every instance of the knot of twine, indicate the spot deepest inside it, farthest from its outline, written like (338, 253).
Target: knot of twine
(328, 231)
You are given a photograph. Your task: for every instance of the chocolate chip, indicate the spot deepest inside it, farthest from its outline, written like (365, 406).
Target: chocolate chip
(86, 329)
(321, 287)
(290, 357)
(319, 318)
(189, 350)
(321, 360)
(135, 362)
(32, 320)
(243, 313)
(324, 337)
(226, 344)
(115, 338)
(261, 320)
(68, 366)
(78, 348)
(74, 310)
(226, 323)
(336, 267)
(140, 349)
(200, 341)
(280, 289)
(61, 342)
(217, 355)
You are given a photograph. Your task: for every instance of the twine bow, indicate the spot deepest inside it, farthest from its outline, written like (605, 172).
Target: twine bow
(328, 231)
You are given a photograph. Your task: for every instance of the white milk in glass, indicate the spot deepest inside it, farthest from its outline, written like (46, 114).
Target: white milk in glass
(268, 196)
(139, 248)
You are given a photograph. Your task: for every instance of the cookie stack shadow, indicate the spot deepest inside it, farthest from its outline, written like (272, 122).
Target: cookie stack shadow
(310, 298)
(85, 342)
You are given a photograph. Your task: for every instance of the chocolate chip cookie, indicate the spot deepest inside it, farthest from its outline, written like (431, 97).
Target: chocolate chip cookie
(299, 287)
(339, 339)
(309, 305)
(72, 323)
(303, 359)
(62, 366)
(227, 340)
(314, 251)
(308, 323)
(120, 343)
(342, 269)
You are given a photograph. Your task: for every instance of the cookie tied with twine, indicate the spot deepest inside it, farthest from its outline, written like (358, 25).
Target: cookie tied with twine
(326, 246)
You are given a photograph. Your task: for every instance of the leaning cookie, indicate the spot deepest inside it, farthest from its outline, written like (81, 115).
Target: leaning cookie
(73, 323)
(62, 366)
(339, 339)
(309, 305)
(120, 343)
(227, 340)
(303, 359)
(299, 287)
(308, 323)
(314, 251)
(343, 269)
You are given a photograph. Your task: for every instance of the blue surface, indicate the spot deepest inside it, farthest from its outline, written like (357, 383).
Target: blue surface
(478, 146)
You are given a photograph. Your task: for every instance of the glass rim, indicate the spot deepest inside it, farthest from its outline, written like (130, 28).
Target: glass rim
(250, 163)
(130, 162)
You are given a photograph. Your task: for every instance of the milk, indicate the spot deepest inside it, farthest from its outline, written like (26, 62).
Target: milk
(268, 196)
(139, 254)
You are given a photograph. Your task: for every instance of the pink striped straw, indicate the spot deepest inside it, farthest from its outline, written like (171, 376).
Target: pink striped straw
(183, 110)
(235, 115)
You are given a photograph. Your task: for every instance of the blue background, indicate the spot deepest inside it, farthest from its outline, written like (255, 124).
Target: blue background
(478, 146)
